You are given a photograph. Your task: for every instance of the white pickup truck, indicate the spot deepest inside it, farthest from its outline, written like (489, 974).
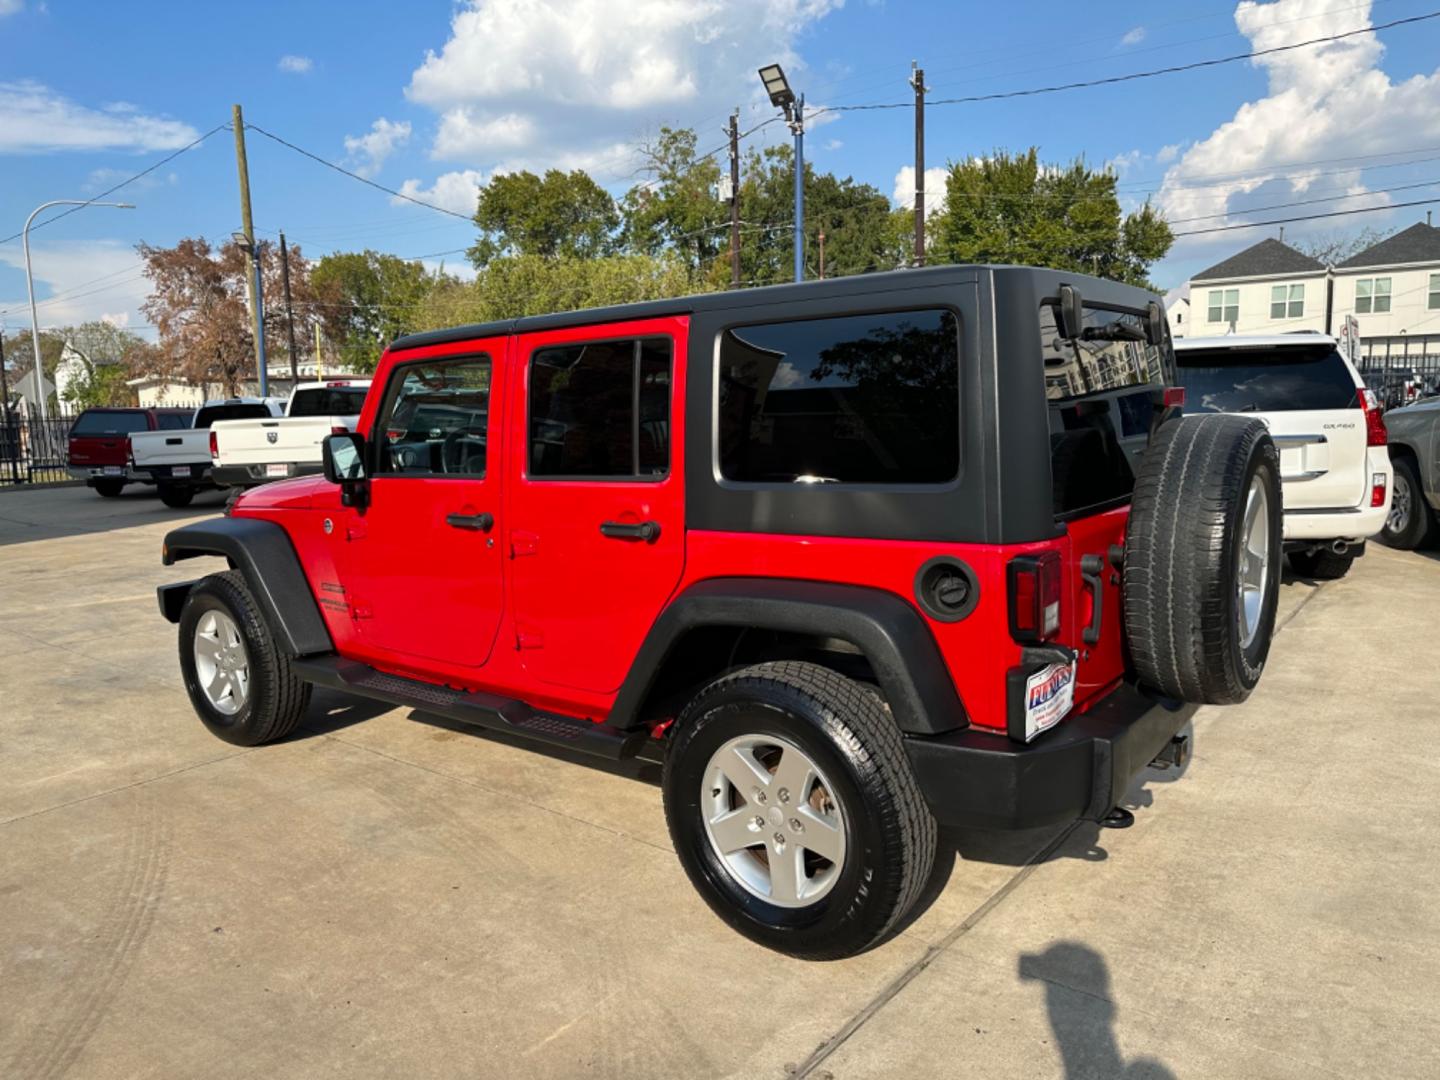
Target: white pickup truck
(250, 452)
(178, 462)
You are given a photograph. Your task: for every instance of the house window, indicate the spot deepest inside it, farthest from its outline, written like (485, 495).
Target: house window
(1287, 301)
(1434, 292)
(1373, 294)
(1224, 306)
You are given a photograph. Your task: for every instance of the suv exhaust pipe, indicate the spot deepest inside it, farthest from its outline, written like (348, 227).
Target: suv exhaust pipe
(1339, 547)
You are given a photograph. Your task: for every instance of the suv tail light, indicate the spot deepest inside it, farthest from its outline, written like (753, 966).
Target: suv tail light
(1375, 433)
(1377, 489)
(214, 446)
(1035, 596)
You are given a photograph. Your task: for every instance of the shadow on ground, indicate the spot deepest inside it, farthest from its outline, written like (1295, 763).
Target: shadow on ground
(31, 514)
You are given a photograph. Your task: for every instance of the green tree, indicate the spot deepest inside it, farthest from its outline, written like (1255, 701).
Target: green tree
(112, 356)
(366, 300)
(559, 214)
(1012, 209)
(677, 210)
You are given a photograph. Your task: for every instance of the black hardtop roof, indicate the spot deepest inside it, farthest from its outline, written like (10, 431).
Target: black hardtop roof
(1043, 280)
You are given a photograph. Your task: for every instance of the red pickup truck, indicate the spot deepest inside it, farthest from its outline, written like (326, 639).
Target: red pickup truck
(99, 448)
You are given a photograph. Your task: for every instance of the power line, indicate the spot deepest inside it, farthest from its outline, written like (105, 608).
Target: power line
(356, 176)
(1307, 217)
(1132, 76)
(123, 183)
(1301, 202)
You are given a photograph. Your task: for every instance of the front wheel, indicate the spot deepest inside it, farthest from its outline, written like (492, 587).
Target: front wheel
(239, 681)
(794, 811)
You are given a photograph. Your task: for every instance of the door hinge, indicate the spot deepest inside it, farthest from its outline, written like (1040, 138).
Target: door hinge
(523, 543)
(355, 531)
(361, 611)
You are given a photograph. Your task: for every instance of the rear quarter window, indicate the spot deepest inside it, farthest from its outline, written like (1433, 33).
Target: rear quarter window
(1284, 378)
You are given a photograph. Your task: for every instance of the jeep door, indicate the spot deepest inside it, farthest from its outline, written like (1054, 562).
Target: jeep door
(421, 566)
(595, 511)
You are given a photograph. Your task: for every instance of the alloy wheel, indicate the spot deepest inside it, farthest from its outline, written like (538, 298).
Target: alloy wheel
(221, 664)
(1252, 572)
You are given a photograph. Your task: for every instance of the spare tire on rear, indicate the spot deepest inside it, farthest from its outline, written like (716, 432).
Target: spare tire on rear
(1202, 558)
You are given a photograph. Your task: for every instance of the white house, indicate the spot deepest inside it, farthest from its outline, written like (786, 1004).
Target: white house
(1269, 288)
(1177, 310)
(1393, 290)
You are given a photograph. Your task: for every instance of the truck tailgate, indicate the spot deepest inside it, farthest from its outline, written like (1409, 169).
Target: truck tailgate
(153, 448)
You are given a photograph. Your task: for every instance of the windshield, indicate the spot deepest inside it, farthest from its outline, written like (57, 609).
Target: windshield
(110, 422)
(1272, 378)
(328, 401)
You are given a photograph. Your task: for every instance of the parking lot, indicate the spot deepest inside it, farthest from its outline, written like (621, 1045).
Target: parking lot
(385, 894)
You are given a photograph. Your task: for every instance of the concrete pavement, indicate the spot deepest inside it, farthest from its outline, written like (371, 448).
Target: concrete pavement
(385, 895)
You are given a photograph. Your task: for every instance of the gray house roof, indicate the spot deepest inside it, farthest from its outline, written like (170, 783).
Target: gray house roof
(1267, 257)
(1418, 243)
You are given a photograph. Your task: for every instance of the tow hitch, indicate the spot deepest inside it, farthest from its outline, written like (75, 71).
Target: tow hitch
(1175, 755)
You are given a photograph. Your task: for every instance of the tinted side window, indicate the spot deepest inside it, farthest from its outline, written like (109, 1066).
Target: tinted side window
(863, 399)
(601, 409)
(1100, 391)
(434, 419)
(1273, 379)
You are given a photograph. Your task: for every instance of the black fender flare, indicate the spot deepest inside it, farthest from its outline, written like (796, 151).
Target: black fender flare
(262, 552)
(889, 631)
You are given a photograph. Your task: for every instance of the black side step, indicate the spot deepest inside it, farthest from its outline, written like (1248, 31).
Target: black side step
(482, 710)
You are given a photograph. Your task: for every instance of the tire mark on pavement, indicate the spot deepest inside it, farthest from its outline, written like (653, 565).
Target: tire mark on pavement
(97, 977)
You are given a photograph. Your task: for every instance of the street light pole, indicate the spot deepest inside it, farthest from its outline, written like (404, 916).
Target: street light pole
(797, 125)
(30, 286)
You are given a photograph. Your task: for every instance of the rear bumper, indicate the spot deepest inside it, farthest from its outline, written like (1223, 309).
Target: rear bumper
(90, 473)
(1081, 769)
(1356, 523)
(253, 475)
(198, 476)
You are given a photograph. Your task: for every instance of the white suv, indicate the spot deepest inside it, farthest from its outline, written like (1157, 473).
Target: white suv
(1335, 467)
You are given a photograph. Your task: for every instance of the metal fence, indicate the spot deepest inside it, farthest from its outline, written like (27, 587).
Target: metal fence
(1400, 370)
(32, 451)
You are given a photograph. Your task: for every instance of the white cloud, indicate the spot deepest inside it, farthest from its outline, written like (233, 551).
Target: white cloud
(1167, 154)
(103, 179)
(903, 195)
(591, 75)
(77, 282)
(834, 144)
(296, 65)
(457, 191)
(373, 148)
(1121, 164)
(1133, 37)
(39, 120)
(1322, 102)
(11, 7)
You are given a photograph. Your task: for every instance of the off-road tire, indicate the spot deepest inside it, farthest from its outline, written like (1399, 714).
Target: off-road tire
(108, 489)
(176, 496)
(847, 730)
(1321, 565)
(277, 697)
(1421, 529)
(1181, 558)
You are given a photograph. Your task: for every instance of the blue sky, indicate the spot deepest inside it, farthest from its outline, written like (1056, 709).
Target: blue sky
(433, 98)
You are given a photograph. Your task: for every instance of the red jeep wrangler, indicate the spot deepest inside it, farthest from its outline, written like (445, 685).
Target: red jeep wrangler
(851, 557)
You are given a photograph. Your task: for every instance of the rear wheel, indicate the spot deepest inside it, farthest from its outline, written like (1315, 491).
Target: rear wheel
(108, 489)
(793, 808)
(1410, 523)
(1202, 558)
(176, 496)
(239, 681)
(1320, 564)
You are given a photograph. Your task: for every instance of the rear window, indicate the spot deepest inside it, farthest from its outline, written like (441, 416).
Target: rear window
(212, 413)
(859, 399)
(1275, 378)
(1101, 392)
(172, 421)
(112, 422)
(328, 401)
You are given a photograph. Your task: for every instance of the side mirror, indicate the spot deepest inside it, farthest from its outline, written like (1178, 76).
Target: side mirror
(343, 460)
(1155, 324)
(1071, 315)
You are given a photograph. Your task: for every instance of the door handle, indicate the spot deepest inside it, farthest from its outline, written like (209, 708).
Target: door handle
(624, 530)
(1092, 569)
(473, 522)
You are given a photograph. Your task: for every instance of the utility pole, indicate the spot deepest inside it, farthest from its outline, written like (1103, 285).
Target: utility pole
(735, 199)
(917, 80)
(247, 224)
(797, 125)
(289, 310)
(11, 446)
(319, 364)
(822, 254)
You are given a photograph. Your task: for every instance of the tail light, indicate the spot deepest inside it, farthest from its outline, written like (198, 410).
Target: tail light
(1377, 489)
(1174, 397)
(1375, 433)
(1035, 596)
(214, 446)
(129, 453)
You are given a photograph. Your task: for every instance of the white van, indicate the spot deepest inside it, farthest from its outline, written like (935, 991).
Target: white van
(1335, 466)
